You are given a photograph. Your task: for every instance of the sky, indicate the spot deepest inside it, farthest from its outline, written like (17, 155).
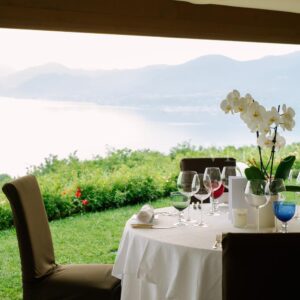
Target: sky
(20, 49)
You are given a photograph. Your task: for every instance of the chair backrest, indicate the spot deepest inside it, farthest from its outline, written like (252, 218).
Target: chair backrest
(199, 164)
(33, 232)
(260, 266)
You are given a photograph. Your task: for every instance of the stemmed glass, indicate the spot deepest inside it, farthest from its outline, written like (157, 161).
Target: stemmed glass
(202, 194)
(215, 177)
(229, 171)
(226, 173)
(179, 202)
(284, 210)
(188, 185)
(297, 195)
(294, 178)
(256, 195)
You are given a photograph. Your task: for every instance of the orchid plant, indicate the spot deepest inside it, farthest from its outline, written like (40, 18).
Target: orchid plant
(266, 125)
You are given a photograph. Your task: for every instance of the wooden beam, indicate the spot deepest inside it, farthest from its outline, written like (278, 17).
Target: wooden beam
(165, 18)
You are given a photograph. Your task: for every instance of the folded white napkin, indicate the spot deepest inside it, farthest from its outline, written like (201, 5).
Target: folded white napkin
(146, 214)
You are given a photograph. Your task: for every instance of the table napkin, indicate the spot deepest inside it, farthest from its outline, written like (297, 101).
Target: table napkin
(146, 214)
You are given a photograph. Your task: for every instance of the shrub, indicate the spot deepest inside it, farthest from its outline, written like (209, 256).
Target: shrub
(5, 217)
(124, 177)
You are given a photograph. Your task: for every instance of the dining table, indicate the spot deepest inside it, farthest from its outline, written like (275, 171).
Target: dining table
(177, 263)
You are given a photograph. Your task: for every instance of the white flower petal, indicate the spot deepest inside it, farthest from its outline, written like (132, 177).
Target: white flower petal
(272, 117)
(265, 141)
(226, 106)
(280, 141)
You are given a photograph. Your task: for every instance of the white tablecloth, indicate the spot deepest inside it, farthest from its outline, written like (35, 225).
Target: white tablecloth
(176, 264)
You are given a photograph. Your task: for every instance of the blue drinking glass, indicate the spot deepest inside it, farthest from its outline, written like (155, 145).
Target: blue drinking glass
(284, 211)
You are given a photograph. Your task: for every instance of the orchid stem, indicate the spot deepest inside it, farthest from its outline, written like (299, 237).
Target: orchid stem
(273, 147)
(262, 167)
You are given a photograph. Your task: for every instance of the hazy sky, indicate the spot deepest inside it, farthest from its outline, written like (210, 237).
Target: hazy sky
(20, 49)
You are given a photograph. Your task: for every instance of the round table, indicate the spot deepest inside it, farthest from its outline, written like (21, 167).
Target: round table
(175, 263)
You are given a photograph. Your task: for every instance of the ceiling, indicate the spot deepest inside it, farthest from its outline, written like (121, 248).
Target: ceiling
(167, 18)
(292, 6)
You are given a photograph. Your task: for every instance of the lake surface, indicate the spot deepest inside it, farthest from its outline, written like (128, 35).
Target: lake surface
(31, 130)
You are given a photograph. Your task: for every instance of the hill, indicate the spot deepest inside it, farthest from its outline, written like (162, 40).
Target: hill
(202, 81)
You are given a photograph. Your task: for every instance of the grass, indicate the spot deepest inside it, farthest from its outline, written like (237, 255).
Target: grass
(88, 238)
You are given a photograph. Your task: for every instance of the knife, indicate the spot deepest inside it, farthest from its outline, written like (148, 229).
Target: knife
(150, 226)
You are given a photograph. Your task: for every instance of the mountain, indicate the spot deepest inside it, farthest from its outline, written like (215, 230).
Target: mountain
(202, 81)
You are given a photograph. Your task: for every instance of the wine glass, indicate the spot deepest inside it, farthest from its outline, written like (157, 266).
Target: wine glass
(256, 195)
(188, 185)
(215, 178)
(202, 194)
(297, 195)
(180, 203)
(229, 171)
(284, 211)
(294, 178)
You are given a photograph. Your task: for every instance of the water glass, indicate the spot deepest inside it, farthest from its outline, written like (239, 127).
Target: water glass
(229, 171)
(256, 195)
(284, 211)
(188, 185)
(202, 194)
(215, 178)
(180, 203)
(294, 179)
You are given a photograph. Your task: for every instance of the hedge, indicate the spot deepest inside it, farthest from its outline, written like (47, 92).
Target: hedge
(124, 177)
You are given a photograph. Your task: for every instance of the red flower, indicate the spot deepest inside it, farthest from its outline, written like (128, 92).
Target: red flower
(85, 202)
(78, 193)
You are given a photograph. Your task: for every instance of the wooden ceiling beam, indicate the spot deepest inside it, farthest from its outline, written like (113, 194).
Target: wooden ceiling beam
(166, 18)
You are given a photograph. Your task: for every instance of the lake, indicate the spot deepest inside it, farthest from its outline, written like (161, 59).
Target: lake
(31, 130)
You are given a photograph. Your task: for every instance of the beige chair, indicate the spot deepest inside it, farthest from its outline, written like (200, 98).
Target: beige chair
(42, 278)
(260, 266)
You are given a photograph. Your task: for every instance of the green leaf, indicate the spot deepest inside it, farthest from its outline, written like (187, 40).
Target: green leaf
(284, 167)
(254, 173)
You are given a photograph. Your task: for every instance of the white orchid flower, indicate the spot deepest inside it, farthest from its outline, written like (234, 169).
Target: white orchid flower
(264, 128)
(258, 119)
(255, 116)
(241, 106)
(256, 111)
(272, 116)
(265, 141)
(226, 106)
(234, 95)
(253, 126)
(233, 99)
(249, 99)
(286, 124)
(288, 112)
(287, 118)
(280, 141)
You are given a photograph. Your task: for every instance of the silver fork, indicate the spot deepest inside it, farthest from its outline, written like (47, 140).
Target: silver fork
(218, 242)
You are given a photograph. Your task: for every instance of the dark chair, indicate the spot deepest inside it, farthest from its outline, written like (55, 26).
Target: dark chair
(260, 266)
(42, 278)
(199, 164)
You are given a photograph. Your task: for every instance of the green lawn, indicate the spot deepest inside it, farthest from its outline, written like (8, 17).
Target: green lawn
(89, 238)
